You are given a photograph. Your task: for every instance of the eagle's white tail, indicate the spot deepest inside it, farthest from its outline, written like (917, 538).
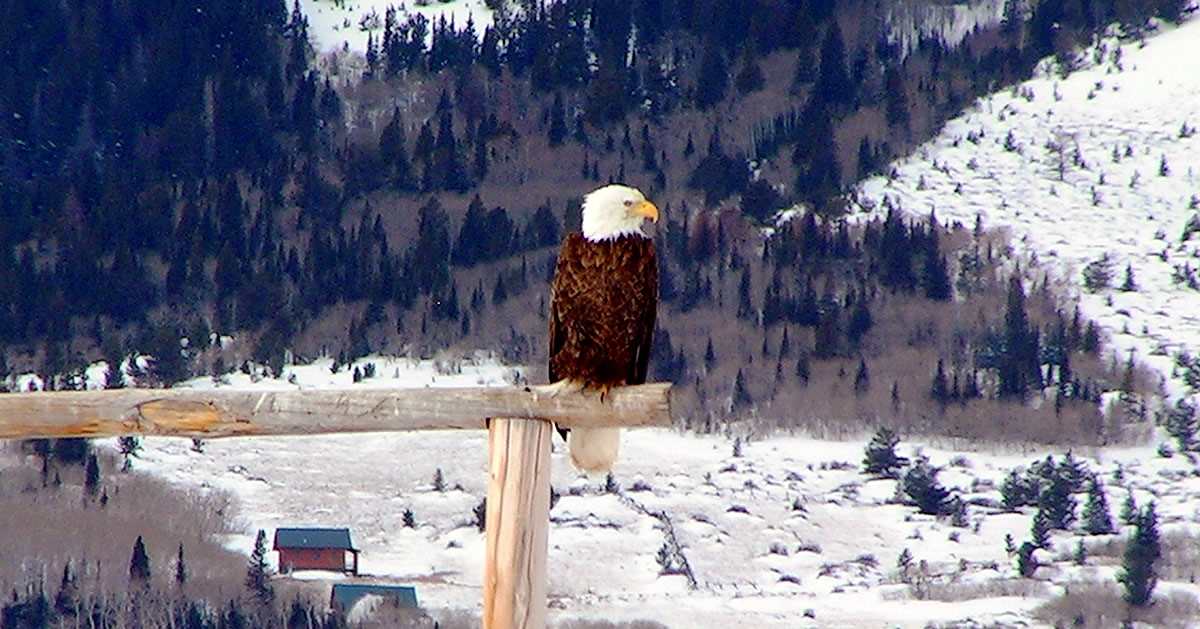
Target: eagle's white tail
(594, 450)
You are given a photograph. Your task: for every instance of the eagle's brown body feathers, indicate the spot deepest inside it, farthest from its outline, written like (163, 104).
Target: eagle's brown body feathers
(602, 308)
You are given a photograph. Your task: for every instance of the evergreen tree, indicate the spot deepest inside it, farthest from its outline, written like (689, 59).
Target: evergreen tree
(139, 564)
(880, 458)
(803, 368)
(939, 391)
(1057, 502)
(91, 479)
(1129, 509)
(1139, 574)
(1180, 423)
(713, 81)
(834, 86)
(1039, 530)
(1019, 370)
(439, 480)
(740, 398)
(393, 153)
(1027, 564)
(1096, 518)
(181, 572)
(66, 602)
(558, 121)
(1017, 491)
(258, 574)
(862, 378)
(922, 487)
(935, 276)
(129, 445)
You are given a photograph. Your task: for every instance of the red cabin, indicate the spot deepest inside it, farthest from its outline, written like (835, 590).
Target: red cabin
(316, 549)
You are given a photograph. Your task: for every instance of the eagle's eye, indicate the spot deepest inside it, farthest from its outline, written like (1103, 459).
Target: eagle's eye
(628, 202)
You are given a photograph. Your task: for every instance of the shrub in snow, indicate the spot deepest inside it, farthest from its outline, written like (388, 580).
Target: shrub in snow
(480, 515)
(1180, 422)
(1139, 574)
(1027, 564)
(1096, 517)
(922, 487)
(1097, 275)
(880, 458)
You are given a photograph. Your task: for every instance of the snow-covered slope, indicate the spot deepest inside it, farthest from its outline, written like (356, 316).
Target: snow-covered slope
(789, 534)
(1106, 160)
(335, 26)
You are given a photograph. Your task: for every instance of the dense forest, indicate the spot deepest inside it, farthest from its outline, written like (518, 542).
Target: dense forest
(191, 181)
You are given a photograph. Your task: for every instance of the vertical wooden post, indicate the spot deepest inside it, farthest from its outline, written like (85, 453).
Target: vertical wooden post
(518, 523)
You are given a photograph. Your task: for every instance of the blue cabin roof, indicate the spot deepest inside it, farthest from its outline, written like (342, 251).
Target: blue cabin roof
(313, 538)
(345, 595)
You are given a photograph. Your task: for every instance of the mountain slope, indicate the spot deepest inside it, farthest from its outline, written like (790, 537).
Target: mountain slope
(1103, 161)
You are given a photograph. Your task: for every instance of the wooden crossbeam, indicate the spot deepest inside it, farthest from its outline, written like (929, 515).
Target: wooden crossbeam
(225, 413)
(517, 519)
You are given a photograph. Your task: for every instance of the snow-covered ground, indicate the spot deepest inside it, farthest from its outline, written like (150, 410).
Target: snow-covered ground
(335, 26)
(789, 534)
(1104, 161)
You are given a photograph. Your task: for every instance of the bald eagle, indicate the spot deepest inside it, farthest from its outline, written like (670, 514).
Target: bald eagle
(602, 307)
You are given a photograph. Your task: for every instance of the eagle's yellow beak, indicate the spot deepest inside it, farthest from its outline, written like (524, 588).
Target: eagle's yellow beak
(646, 209)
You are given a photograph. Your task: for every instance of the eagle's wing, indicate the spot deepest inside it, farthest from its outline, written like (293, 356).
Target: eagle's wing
(649, 299)
(558, 336)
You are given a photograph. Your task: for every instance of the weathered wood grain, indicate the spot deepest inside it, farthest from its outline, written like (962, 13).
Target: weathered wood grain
(518, 524)
(218, 413)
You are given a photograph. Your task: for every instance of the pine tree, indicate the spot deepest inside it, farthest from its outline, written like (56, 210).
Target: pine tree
(1180, 423)
(558, 121)
(1027, 564)
(410, 520)
(66, 602)
(258, 574)
(740, 398)
(713, 80)
(1096, 518)
(922, 487)
(1130, 284)
(1017, 491)
(1129, 509)
(803, 369)
(181, 573)
(129, 445)
(1039, 530)
(139, 564)
(880, 458)
(91, 482)
(1138, 573)
(1057, 502)
(1018, 369)
(439, 480)
(862, 378)
(938, 389)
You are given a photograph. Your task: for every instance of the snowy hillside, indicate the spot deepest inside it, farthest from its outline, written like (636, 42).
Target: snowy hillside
(789, 534)
(334, 26)
(1104, 161)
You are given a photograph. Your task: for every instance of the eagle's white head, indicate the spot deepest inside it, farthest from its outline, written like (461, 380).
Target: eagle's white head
(615, 210)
